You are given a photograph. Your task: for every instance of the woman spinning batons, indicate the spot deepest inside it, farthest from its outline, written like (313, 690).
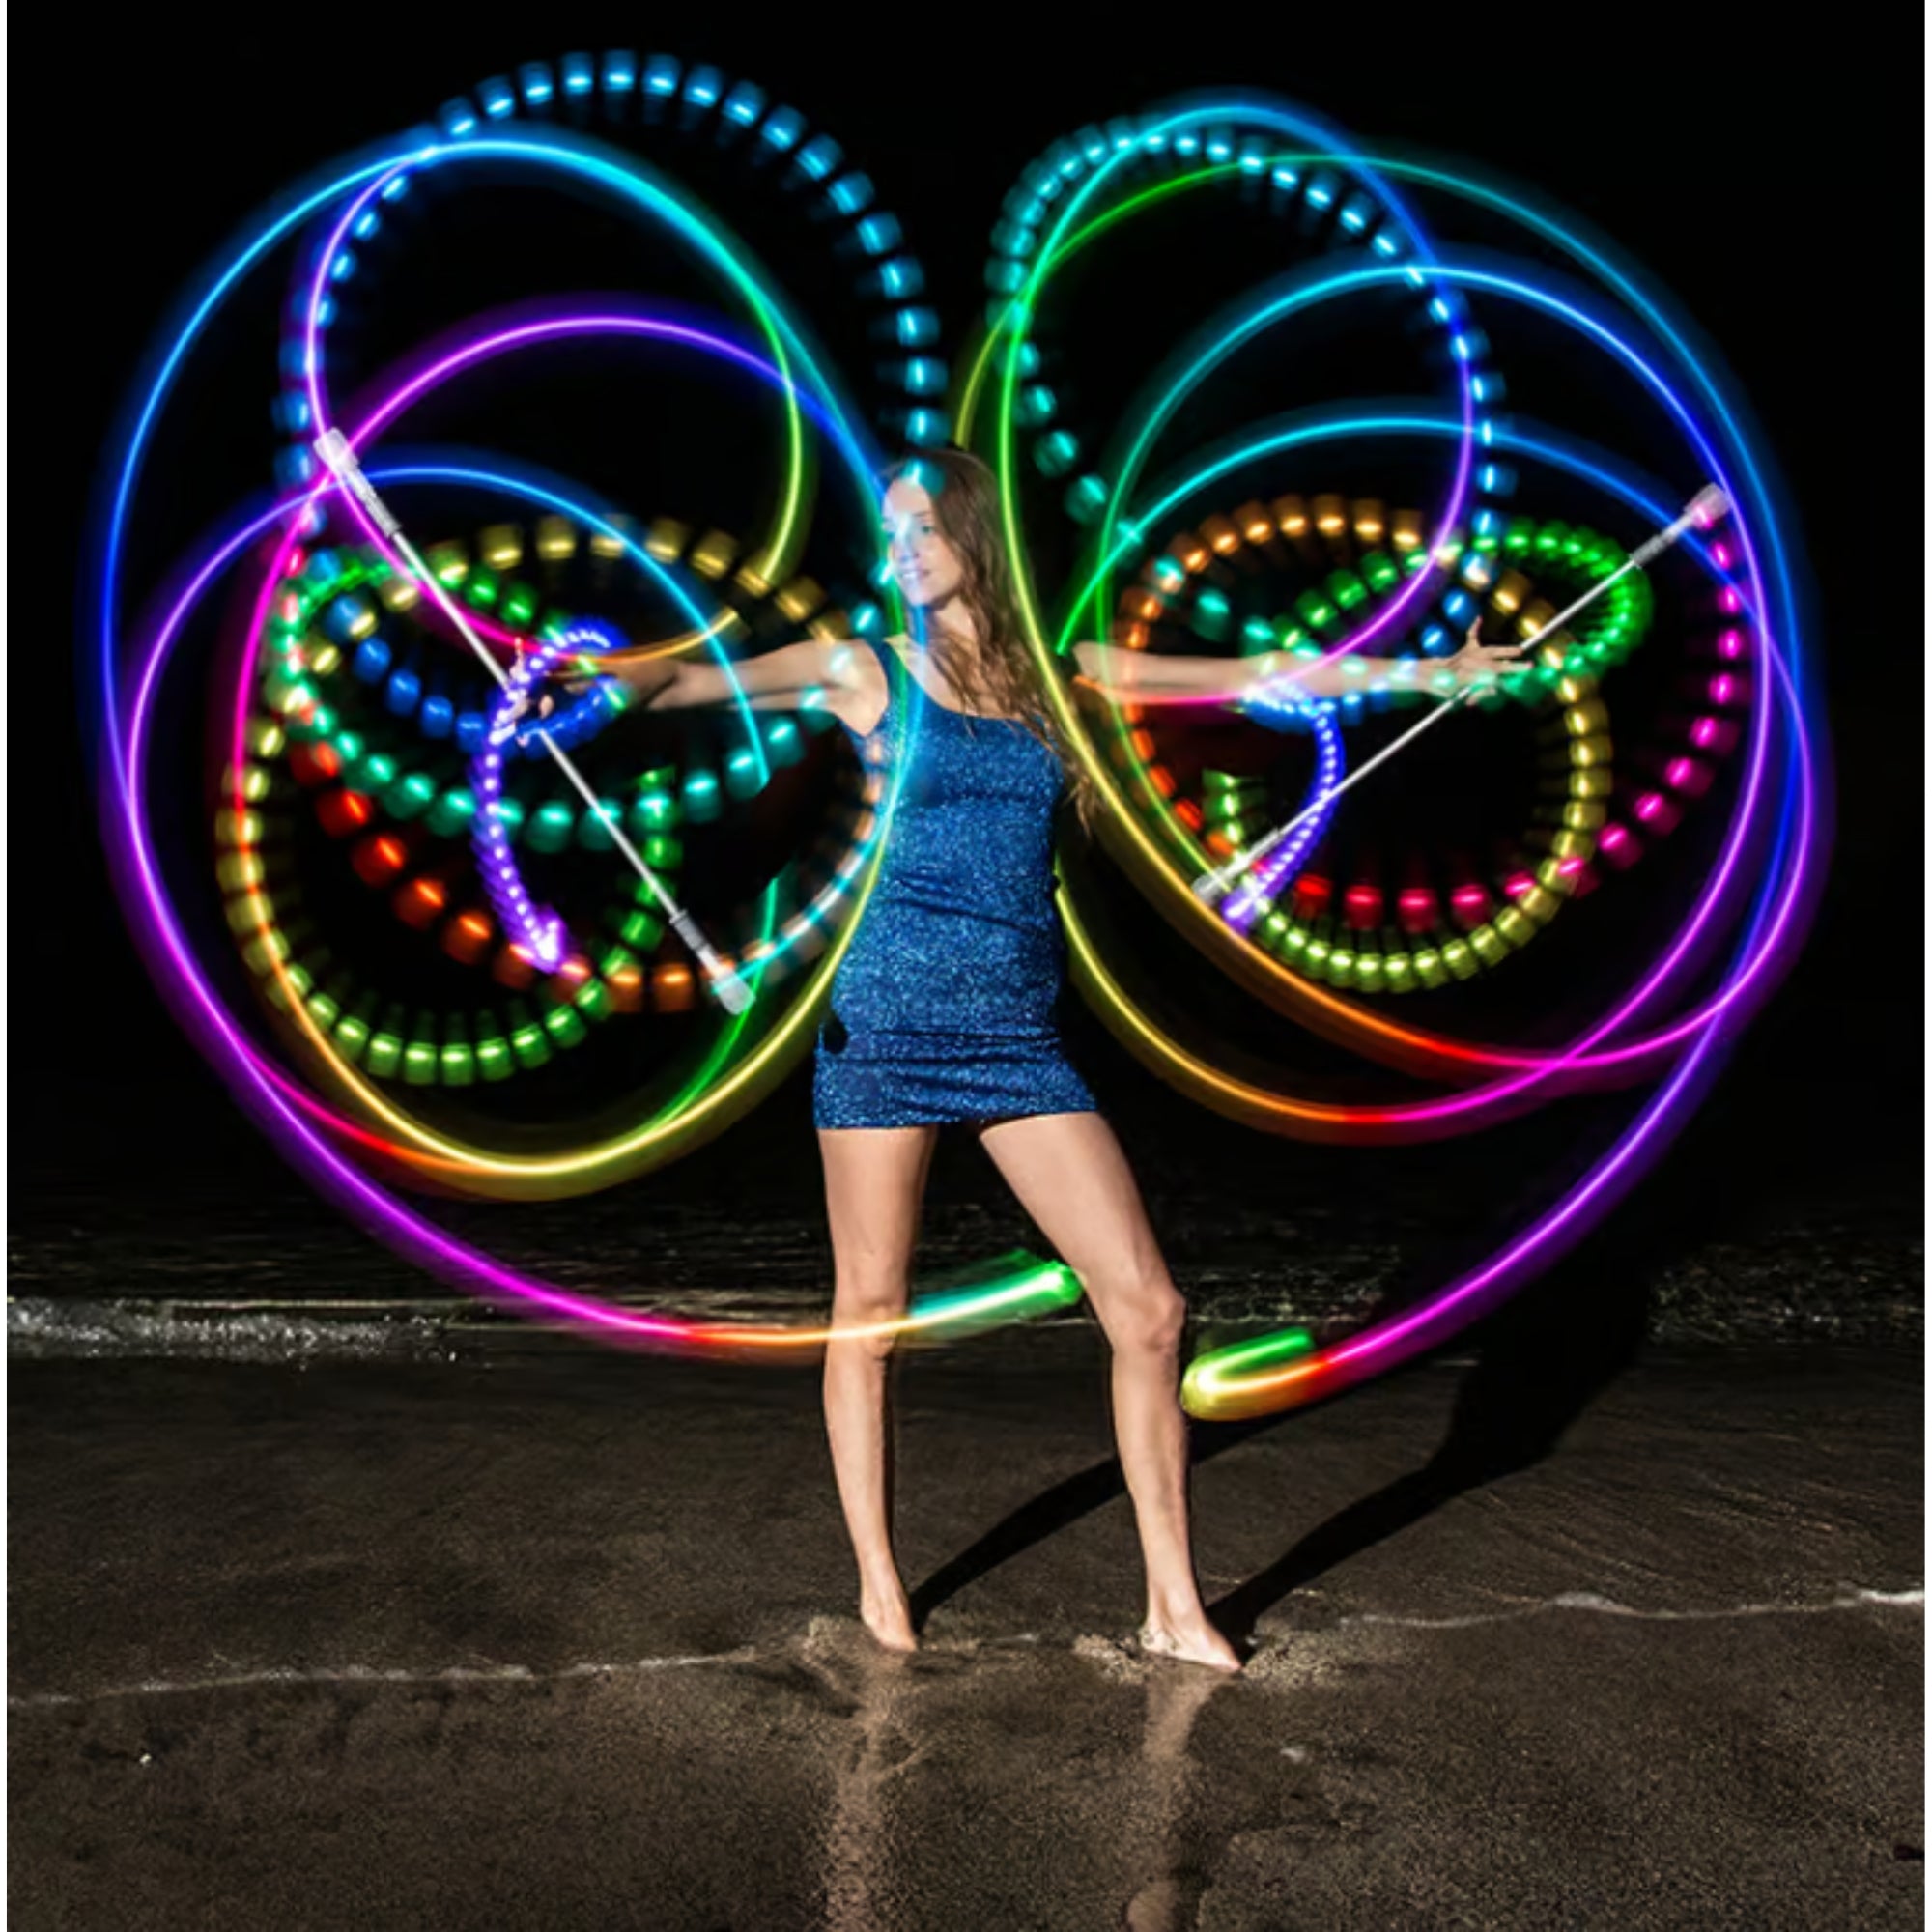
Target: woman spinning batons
(943, 1009)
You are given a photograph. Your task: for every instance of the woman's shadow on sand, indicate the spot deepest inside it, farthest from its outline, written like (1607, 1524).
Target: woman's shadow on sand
(1541, 1359)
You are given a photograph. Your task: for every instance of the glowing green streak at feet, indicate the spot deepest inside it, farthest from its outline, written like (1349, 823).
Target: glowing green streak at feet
(1029, 1287)
(1198, 1386)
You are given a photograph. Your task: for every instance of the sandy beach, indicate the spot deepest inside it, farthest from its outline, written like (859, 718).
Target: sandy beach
(549, 1637)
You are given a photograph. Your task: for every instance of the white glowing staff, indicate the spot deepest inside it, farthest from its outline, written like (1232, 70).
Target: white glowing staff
(333, 447)
(1706, 508)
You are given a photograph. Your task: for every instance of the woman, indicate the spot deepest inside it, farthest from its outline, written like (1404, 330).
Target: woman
(943, 1008)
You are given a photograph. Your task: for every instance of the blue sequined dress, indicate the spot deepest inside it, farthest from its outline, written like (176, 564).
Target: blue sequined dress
(943, 1007)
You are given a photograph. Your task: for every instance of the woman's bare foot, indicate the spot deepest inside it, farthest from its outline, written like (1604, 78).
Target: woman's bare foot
(888, 1615)
(1189, 1639)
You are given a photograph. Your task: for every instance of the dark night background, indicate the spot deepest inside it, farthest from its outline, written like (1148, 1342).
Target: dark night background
(1764, 197)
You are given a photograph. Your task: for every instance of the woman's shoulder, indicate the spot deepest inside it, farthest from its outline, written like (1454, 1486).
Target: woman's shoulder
(860, 690)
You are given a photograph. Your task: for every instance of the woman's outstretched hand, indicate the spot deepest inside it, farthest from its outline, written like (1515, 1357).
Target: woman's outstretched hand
(536, 703)
(1479, 666)
(570, 678)
(569, 675)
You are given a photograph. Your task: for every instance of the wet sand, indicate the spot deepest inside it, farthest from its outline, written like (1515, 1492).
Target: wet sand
(548, 1637)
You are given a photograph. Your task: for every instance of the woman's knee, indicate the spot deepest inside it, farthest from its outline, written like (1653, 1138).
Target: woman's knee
(870, 1320)
(1150, 1318)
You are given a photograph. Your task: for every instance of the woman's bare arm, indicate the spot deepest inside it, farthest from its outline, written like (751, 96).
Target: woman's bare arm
(783, 679)
(1153, 677)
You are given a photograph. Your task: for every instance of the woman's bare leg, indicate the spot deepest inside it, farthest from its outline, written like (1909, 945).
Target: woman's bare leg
(1070, 1174)
(875, 1182)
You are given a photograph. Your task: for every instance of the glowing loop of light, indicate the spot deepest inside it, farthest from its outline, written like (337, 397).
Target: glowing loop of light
(706, 1103)
(299, 726)
(1528, 1074)
(711, 1090)
(712, 1087)
(1238, 136)
(1544, 890)
(1405, 1047)
(436, 1152)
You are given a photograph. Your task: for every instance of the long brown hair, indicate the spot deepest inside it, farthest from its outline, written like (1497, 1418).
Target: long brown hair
(998, 673)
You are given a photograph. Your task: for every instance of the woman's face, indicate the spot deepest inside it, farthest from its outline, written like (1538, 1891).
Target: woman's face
(927, 568)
